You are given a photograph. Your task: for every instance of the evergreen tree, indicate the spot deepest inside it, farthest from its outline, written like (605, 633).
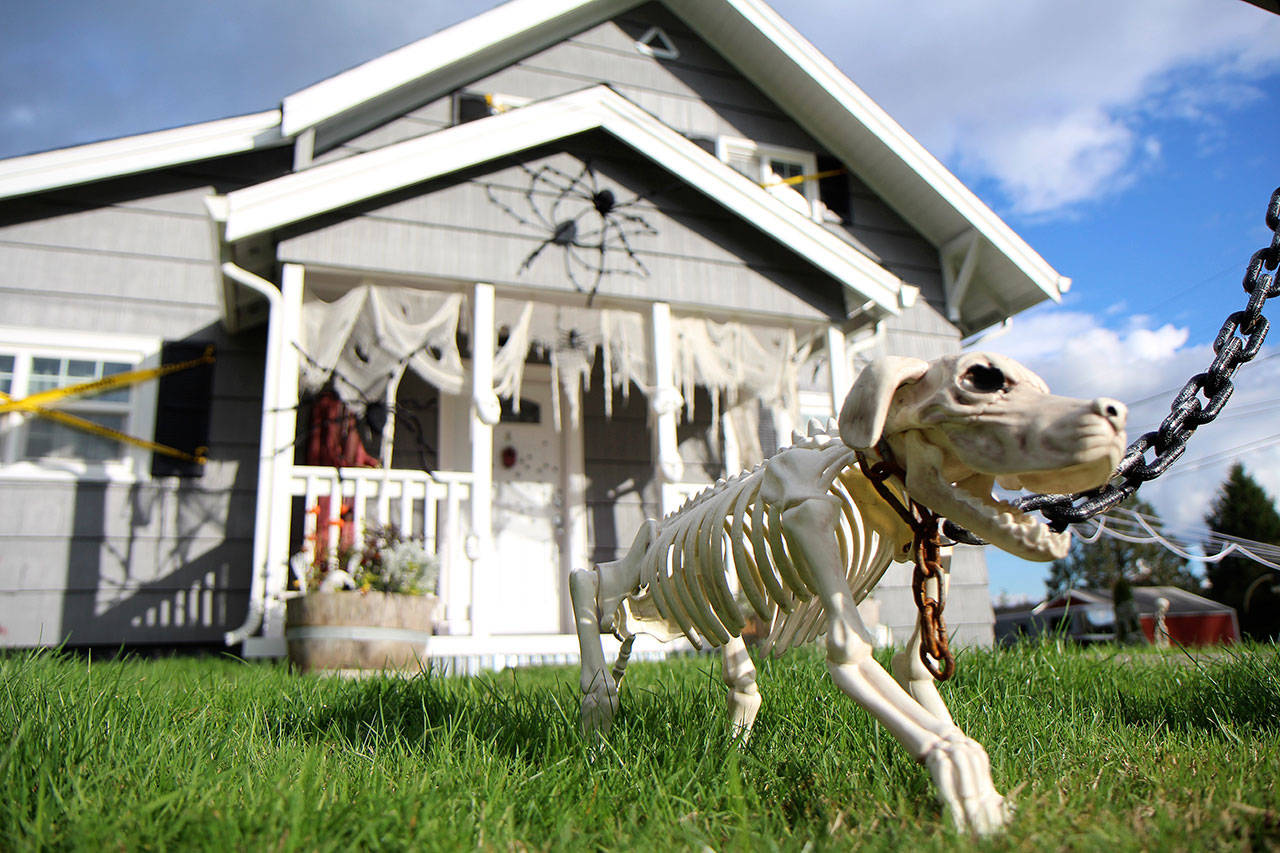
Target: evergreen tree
(1099, 565)
(1242, 509)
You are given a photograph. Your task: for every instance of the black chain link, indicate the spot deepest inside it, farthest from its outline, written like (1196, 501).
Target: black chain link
(1238, 341)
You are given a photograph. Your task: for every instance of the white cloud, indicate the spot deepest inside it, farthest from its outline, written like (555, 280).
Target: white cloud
(1053, 102)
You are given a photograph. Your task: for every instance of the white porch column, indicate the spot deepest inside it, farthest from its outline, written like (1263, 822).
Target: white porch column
(283, 431)
(841, 378)
(664, 405)
(485, 411)
(572, 500)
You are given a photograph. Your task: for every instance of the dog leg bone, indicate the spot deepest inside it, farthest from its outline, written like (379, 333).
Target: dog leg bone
(959, 765)
(962, 772)
(599, 691)
(739, 674)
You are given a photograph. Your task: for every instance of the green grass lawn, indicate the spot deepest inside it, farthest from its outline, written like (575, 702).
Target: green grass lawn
(1101, 752)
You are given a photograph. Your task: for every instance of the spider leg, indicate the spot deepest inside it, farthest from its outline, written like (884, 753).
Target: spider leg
(540, 174)
(630, 250)
(509, 210)
(533, 256)
(634, 219)
(573, 189)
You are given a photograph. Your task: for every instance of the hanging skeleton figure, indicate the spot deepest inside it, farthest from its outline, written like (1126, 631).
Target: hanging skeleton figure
(807, 535)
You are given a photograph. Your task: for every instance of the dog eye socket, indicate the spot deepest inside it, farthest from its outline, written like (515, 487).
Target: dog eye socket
(984, 378)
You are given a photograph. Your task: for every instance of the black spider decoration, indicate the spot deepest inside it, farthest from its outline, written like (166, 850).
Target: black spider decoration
(584, 219)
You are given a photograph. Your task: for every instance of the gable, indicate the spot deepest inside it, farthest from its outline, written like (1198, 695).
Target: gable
(988, 273)
(267, 207)
(658, 239)
(700, 95)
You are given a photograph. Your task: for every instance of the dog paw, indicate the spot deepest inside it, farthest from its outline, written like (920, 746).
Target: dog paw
(962, 773)
(598, 710)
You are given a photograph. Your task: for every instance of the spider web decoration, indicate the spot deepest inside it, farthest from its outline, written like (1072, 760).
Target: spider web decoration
(583, 219)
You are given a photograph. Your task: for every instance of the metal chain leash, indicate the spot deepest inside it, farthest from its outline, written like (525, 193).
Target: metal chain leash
(1238, 341)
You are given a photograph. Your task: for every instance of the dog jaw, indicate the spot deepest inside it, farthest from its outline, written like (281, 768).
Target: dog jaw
(970, 504)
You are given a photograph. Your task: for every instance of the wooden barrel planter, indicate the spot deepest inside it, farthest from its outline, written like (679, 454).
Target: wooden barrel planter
(358, 631)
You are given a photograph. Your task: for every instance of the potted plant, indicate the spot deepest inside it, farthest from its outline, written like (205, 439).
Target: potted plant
(374, 614)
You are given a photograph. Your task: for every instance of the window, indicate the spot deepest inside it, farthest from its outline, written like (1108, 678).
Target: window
(781, 171)
(469, 106)
(34, 361)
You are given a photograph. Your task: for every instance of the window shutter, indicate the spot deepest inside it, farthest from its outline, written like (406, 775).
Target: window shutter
(184, 401)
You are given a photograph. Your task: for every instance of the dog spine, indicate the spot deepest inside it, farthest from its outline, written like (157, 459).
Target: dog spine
(685, 568)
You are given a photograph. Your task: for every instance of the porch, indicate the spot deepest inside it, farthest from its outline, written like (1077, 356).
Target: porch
(511, 499)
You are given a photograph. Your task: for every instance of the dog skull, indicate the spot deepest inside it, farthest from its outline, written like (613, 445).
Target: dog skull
(963, 422)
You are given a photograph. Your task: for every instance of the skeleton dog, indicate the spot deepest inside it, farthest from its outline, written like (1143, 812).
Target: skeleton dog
(807, 535)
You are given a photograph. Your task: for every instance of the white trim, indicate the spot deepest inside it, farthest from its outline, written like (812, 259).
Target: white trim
(141, 153)
(839, 373)
(280, 429)
(291, 198)
(956, 281)
(664, 404)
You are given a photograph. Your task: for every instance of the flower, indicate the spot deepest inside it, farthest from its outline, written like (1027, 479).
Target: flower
(386, 562)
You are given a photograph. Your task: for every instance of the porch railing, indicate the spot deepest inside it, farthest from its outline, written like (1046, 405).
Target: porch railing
(424, 506)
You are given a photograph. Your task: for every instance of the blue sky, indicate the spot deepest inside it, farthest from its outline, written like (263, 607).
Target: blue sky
(1134, 145)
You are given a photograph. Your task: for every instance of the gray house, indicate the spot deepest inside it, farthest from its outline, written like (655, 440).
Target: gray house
(559, 266)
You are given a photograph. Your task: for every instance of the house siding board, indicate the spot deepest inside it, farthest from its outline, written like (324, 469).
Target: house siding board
(424, 120)
(146, 617)
(117, 562)
(699, 94)
(969, 616)
(454, 229)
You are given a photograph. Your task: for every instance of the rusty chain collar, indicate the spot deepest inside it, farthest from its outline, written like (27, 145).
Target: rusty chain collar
(926, 547)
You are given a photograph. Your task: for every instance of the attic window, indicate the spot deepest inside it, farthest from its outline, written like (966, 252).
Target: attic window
(658, 44)
(787, 173)
(469, 106)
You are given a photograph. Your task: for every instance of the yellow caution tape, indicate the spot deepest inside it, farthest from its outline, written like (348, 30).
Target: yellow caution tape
(800, 179)
(200, 457)
(35, 404)
(107, 383)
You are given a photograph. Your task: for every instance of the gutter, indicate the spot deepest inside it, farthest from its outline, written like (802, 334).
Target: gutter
(266, 453)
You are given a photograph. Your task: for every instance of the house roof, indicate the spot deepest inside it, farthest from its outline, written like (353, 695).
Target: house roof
(1180, 600)
(295, 197)
(992, 273)
(129, 155)
(773, 56)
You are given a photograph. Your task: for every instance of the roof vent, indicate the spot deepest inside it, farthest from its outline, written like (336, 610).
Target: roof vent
(658, 44)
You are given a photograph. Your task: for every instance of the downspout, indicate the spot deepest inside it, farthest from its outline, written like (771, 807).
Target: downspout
(266, 452)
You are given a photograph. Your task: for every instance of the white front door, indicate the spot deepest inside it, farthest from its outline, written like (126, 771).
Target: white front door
(527, 514)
